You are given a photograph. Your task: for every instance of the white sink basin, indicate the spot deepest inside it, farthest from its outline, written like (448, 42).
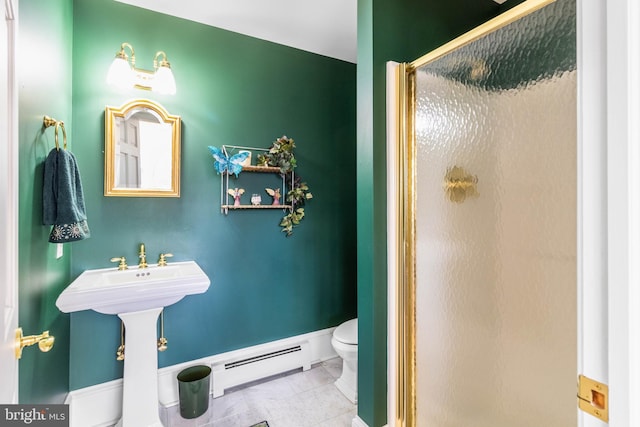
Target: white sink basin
(137, 296)
(110, 291)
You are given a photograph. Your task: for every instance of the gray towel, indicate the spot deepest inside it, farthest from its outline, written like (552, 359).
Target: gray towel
(62, 198)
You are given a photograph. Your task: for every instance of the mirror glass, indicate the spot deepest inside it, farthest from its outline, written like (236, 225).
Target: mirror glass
(142, 151)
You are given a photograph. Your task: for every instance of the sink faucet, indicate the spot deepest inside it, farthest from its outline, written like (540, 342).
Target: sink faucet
(162, 261)
(143, 257)
(122, 262)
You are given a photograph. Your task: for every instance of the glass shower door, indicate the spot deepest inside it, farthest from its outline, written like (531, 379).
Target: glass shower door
(495, 228)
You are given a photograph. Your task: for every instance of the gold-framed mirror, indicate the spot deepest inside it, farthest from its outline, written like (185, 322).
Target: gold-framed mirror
(142, 150)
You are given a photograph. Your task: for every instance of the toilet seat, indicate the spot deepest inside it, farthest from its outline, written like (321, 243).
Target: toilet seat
(347, 333)
(345, 343)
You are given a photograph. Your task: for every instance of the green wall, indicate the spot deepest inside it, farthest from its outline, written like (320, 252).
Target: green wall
(44, 81)
(401, 31)
(232, 89)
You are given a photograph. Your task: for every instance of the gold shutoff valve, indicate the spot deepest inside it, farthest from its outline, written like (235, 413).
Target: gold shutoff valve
(44, 341)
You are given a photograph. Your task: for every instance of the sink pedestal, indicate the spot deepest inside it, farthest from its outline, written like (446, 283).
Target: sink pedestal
(140, 403)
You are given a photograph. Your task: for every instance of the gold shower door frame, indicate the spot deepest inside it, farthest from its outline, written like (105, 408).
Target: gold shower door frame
(405, 200)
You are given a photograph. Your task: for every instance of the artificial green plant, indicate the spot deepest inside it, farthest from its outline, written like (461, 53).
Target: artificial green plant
(281, 155)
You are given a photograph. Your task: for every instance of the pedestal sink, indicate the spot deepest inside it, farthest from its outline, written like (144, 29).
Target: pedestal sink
(137, 296)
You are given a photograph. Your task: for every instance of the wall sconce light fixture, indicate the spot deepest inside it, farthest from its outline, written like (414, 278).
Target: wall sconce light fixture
(123, 72)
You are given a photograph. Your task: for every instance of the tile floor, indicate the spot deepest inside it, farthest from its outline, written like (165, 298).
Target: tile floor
(294, 399)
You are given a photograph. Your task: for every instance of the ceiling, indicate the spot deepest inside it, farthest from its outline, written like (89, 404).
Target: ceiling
(326, 27)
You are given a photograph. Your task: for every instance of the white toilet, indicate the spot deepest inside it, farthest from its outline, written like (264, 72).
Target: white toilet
(345, 343)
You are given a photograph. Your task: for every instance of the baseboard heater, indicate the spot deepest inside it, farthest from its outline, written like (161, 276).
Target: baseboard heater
(251, 367)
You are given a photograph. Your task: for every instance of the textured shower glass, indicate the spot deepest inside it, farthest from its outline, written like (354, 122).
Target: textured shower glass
(496, 326)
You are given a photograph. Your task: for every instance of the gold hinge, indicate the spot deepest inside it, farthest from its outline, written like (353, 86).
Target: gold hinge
(593, 398)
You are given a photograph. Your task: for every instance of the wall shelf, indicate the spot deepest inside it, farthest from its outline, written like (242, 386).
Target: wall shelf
(261, 169)
(225, 197)
(256, 207)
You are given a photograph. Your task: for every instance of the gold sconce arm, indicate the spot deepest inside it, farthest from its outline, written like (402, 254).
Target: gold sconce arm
(44, 341)
(163, 63)
(123, 55)
(124, 73)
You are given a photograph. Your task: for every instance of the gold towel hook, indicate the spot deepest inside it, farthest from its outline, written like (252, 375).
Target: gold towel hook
(48, 122)
(64, 136)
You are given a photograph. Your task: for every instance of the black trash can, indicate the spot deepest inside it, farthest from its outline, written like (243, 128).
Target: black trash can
(193, 391)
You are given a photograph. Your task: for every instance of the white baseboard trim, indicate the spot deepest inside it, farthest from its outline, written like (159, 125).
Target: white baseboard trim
(101, 405)
(357, 422)
(96, 406)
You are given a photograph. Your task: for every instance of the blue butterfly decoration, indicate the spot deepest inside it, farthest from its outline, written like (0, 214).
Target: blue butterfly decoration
(225, 163)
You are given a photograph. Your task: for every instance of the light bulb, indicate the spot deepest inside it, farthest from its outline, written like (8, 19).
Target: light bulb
(163, 81)
(120, 73)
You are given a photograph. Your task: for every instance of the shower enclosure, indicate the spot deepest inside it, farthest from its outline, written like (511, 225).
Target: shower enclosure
(488, 177)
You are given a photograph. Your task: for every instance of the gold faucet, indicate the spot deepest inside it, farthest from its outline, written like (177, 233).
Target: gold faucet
(162, 261)
(143, 257)
(122, 261)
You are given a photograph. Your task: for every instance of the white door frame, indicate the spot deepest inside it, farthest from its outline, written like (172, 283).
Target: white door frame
(608, 52)
(592, 197)
(9, 205)
(623, 202)
(609, 203)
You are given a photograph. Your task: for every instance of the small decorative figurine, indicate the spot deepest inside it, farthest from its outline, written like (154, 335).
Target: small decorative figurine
(275, 193)
(256, 199)
(236, 193)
